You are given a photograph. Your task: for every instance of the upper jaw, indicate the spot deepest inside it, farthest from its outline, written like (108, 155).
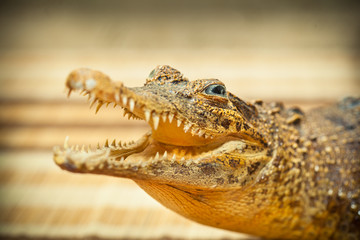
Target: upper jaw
(102, 91)
(137, 102)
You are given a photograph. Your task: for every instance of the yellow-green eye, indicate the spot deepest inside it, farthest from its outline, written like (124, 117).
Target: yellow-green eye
(216, 90)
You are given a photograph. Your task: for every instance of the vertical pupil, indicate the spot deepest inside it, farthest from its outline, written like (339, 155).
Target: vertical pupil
(218, 90)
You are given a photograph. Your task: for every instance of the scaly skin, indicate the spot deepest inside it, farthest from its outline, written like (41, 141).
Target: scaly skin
(259, 169)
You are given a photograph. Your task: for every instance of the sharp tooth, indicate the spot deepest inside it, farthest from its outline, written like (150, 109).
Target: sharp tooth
(93, 102)
(98, 107)
(173, 158)
(209, 136)
(83, 148)
(171, 117)
(69, 93)
(201, 133)
(164, 116)
(165, 155)
(187, 127)
(179, 122)
(98, 146)
(194, 131)
(154, 161)
(157, 155)
(66, 142)
(132, 104)
(113, 144)
(106, 143)
(155, 120)
(124, 100)
(147, 115)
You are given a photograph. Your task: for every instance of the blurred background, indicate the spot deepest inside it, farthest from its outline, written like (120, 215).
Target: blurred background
(305, 53)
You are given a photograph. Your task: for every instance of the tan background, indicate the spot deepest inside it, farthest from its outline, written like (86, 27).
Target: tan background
(299, 52)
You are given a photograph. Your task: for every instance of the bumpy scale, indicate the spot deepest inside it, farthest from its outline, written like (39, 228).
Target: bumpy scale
(254, 168)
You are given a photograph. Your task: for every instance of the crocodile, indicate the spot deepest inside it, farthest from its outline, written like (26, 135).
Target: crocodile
(252, 167)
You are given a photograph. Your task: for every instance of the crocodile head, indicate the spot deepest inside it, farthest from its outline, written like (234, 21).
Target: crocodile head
(203, 144)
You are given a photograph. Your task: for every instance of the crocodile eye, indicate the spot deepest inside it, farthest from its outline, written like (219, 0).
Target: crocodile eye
(217, 90)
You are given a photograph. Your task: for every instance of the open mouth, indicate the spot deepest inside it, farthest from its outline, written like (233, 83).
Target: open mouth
(201, 144)
(173, 138)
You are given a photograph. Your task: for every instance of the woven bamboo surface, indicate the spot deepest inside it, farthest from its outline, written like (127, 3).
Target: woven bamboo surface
(294, 54)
